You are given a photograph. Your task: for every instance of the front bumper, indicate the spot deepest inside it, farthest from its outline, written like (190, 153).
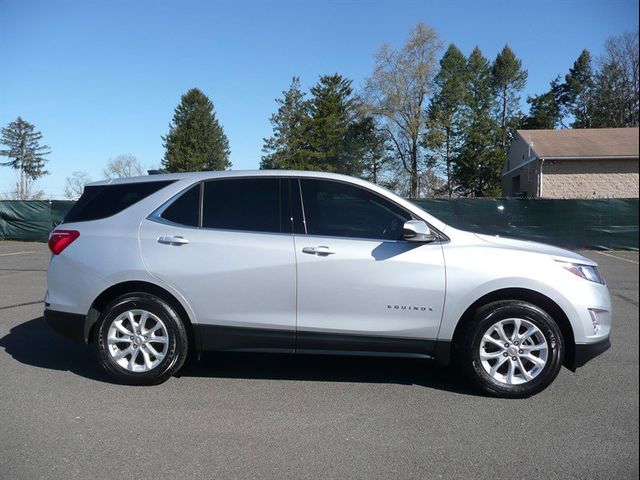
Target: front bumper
(69, 325)
(588, 351)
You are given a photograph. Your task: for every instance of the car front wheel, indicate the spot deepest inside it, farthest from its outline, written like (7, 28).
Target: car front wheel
(140, 340)
(512, 349)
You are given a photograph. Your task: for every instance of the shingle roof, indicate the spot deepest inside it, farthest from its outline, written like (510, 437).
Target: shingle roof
(587, 142)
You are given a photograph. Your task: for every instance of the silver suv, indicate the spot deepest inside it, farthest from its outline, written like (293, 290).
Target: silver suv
(150, 269)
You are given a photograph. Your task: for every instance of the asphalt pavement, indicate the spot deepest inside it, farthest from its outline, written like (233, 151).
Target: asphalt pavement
(280, 416)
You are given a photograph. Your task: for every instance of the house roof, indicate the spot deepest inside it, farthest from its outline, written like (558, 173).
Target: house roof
(587, 142)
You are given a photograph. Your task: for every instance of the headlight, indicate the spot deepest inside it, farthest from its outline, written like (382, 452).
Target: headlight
(588, 272)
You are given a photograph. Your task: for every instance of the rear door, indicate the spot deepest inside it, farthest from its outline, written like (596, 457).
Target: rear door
(226, 245)
(360, 286)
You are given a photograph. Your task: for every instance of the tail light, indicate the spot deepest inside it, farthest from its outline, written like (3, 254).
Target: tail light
(61, 239)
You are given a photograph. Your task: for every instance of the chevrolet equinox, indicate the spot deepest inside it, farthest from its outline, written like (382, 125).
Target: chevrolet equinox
(149, 269)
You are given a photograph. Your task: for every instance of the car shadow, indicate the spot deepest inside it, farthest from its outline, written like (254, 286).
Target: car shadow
(34, 343)
(330, 368)
(387, 250)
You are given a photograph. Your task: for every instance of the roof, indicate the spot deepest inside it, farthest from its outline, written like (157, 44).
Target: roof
(197, 176)
(583, 143)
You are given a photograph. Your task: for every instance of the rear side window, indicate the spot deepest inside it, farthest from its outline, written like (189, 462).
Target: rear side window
(185, 210)
(106, 200)
(342, 210)
(250, 204)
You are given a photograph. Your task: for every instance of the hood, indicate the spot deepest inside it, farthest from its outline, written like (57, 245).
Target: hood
(535, 247)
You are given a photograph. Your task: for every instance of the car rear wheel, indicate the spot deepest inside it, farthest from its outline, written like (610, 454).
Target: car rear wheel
(140, 340)
(512, 349)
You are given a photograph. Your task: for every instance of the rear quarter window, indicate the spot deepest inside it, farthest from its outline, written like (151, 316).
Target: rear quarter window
(185, 210)
(102, 201)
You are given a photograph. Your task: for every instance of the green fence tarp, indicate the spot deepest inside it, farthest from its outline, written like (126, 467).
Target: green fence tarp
(595, 224)
(600, 224)
(31, 220)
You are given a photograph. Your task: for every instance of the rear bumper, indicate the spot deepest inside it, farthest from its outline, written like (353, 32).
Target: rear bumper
(587, 351)
(69, 325)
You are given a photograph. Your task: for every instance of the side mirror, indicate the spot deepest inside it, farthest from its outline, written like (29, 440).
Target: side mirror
(417, 231)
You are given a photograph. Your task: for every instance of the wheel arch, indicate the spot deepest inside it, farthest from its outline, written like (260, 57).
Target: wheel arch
(132, 286)
(531, 296)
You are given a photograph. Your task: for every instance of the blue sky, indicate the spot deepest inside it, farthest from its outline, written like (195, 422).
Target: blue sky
(101, 78)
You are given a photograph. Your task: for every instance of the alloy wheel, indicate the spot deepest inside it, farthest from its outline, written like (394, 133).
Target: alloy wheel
(137, 340)
(513, 351)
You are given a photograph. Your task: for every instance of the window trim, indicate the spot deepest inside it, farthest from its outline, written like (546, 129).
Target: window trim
(304, 215)
(442, 238)
(200, 203)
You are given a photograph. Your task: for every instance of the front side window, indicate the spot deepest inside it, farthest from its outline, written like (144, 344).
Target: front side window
(250, 204)
(342, 210)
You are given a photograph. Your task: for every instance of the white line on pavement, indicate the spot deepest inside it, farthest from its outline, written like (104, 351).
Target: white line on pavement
(13, 253)
(619, 258)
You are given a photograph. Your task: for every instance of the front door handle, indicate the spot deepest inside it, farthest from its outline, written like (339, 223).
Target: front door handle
(320, 250)
(176, 240)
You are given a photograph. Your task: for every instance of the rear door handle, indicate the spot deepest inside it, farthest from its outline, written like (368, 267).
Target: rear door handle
(176, 240)
(319, 250)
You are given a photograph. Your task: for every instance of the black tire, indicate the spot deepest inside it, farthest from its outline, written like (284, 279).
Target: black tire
(469, 348)
(177, 345)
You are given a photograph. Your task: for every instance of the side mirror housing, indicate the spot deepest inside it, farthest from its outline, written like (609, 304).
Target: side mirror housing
(417, 231)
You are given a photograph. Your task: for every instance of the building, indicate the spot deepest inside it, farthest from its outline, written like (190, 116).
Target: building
(583, 163)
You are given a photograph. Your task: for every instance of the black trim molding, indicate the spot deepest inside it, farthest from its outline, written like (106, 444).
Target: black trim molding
(442, 352)
(588, 351)
(228, 338)
(68, 325)
(353, 343)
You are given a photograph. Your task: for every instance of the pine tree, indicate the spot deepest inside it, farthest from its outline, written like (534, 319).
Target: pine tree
(479, 163)
(366, 151)
(444, 112)
(283, 149)
(196, 141)
(508, 79)
(333, 132)
(545, 111)
(609, 104)
(328, 132)
(25, 153)
(577, 91)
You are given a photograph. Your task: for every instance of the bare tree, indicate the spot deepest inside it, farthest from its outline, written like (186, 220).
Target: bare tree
(622, 51)
(430, 184)
(123, 166)
(398, 92)
(74, 184)
(24, 191)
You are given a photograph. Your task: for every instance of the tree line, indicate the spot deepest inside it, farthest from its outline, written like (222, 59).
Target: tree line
(431, 125)
(425, 123)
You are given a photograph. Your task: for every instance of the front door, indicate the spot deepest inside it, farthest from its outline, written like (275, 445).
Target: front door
(360, 286)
